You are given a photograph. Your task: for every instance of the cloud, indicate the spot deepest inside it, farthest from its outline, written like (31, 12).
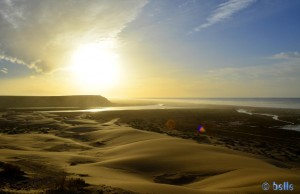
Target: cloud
(286, 55)
(18, 61)
(272, 73)
(225, 11)
(252, 81)
(4, 70)
(43, 34)
(276, 71)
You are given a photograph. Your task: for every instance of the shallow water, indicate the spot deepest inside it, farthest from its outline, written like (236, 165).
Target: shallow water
(293, 103)
(291, 125)
(119, 108)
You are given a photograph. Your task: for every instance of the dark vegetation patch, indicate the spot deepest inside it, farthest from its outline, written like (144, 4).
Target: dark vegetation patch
(28, 122)
(98, 144)
(15, 179)
(73, 135)
(104, 189)
(175, 179)
(82, 129)
(11, 174)
(22, 130)
(182, 178)
(69, 186)
(60, 184)
(66, 147)
(80, 160)
(40, 173)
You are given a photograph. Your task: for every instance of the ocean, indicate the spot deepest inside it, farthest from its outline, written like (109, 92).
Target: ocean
(293, 103)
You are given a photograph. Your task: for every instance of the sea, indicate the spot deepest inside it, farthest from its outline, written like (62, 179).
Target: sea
(293, 103)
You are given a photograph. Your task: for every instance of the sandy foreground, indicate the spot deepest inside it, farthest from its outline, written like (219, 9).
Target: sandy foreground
(117, 155)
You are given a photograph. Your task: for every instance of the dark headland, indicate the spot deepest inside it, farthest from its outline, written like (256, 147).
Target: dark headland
(53, 101)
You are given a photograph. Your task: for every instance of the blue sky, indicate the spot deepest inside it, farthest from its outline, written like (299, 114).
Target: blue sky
(261, 29)
(181, 48)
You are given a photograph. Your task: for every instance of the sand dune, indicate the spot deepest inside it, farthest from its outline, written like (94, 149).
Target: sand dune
(140, 161)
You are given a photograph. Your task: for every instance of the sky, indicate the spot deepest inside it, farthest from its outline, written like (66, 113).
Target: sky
(150, 48)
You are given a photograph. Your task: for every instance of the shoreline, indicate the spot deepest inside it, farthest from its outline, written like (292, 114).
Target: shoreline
(133, 105)
(264, 111)
(240, 102)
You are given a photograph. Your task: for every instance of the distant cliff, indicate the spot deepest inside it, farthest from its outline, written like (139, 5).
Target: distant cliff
(53, 101)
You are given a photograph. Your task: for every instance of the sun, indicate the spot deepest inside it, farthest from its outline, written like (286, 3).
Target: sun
(95, 66)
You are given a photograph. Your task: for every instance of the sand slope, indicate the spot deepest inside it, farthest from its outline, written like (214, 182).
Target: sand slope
(140, 161)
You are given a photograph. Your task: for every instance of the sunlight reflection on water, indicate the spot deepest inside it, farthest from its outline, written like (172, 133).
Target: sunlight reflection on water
(120, 108)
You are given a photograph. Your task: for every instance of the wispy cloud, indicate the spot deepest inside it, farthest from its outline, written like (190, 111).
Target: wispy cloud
(286, 55)
(225, 11)
(43, 34)
(276, 71)
(4, 70)
(20, 62)
(257, 81)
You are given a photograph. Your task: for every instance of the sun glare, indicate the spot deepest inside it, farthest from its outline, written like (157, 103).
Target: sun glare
(95, 66)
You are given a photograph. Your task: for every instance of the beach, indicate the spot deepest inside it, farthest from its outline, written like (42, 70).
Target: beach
(137, 151)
